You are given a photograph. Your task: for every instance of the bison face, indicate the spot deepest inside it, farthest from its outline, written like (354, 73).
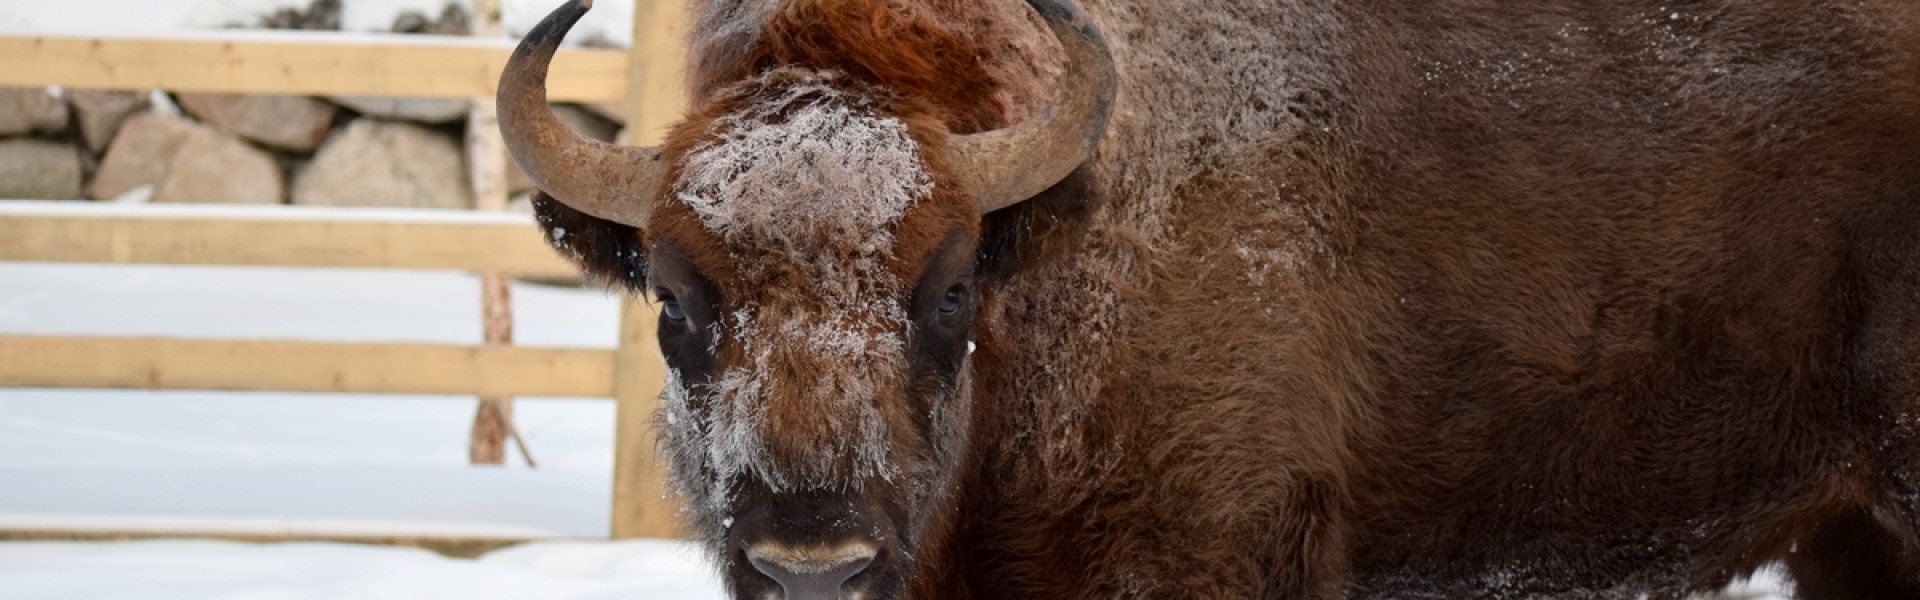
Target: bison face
(813, 242)
(816, 298)
(815, 436)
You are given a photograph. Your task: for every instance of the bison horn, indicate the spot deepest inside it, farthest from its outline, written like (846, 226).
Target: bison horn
(615, 183)
(1007, 166)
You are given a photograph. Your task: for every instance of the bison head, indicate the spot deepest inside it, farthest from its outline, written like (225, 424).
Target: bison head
(812, 241)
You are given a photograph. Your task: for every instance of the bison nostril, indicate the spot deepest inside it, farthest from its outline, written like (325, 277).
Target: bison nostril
(811, 573)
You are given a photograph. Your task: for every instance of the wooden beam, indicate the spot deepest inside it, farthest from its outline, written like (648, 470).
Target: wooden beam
(287, 366)
(300, 63)
(643, 505)
(487, 171)
(656, 78)
(449, 546)
(278, 235)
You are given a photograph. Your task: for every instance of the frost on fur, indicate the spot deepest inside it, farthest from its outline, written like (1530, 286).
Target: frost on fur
(808, 164)
(804, 186)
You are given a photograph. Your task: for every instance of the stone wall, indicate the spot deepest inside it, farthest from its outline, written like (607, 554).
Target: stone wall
(250, 149)
(160, 146)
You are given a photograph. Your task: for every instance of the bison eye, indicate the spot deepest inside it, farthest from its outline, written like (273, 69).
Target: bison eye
(670, 308)
(951, 304)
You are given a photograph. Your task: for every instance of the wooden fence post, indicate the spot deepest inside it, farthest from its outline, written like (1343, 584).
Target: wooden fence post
(487, 166)
(642, 504)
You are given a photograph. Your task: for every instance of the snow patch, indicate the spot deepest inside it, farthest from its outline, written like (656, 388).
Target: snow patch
(182, 570)
(161, 524)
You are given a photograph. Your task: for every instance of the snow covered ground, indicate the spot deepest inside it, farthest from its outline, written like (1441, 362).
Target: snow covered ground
(202, 570)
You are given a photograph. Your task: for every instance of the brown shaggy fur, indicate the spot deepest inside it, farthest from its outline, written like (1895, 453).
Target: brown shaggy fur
(937, 51)
(1383, 299)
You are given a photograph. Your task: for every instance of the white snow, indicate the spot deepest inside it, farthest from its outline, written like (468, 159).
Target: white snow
(199, 570)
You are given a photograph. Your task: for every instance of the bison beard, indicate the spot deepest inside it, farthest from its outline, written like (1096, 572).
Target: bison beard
(1357, 299)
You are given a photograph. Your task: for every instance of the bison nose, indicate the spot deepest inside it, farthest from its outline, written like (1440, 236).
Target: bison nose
(814, 573)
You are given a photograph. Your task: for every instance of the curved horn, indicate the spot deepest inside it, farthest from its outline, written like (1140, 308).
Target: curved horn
(615, 183)
(1004, 167)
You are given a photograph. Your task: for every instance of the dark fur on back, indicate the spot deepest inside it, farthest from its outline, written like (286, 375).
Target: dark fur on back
(1453, 299)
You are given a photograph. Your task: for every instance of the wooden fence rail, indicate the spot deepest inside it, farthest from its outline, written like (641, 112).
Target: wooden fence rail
(300, 63)
(33, 231)
(159, 363)
(275, 236)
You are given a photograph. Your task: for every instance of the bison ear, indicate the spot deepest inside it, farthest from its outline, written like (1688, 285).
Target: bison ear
(610, 253)
(1030, 233)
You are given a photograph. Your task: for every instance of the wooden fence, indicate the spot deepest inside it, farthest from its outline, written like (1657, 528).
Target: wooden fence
(646, 78)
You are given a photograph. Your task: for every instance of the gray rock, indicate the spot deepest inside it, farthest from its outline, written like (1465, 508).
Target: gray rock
(139, 155)
(101, 113)
(186, 162)
(424, 110)
(39, 170)
(453, 20)
(28, 110)
(322, 15)
(217, 168)
(296, 123)
(377, 163)
(411, 21)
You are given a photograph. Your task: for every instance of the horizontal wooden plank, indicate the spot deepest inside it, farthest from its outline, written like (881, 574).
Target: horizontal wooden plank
(452, 547)
(289, 366)
(300, 63)
(282, 236)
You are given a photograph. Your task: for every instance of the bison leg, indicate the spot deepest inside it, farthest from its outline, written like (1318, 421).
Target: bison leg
(1854, 556)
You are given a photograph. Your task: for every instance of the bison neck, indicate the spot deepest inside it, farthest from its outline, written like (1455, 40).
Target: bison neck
(1338, 333)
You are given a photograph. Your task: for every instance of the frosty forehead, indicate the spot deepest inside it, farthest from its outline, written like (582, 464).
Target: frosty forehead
(806, 167)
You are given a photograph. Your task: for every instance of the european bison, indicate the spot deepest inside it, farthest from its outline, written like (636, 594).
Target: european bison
(1278, 299)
